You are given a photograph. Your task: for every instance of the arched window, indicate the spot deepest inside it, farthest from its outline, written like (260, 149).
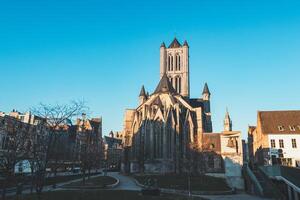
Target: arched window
(176, 61)
(179, 62)
(171, 63)
(176, 84)
(179, 89)
(171, 80)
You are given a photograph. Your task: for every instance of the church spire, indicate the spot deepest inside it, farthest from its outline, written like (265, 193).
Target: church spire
(206, 93)
(205, 89)
(143, 92)
(142, 96)
(227, 122)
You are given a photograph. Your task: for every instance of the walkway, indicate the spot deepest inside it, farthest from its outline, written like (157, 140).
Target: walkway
(233, 196)
(126, 182)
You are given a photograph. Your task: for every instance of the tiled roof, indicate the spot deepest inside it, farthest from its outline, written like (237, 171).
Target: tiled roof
(195, 103)
(164, 86)
(175, 44)
(110, 141)
(280, 121)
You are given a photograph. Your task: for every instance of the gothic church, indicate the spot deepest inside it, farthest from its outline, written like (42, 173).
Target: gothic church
(169, 131)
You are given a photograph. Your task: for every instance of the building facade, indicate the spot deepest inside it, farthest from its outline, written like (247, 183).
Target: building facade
(275, 139)
(170, 132)
(113, 150)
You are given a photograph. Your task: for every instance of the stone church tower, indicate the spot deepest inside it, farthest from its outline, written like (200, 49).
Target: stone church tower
(174, 61)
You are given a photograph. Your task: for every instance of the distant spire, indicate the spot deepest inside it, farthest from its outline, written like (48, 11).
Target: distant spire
(227, 114)
(227, 121)
(205, 89)
(142, 93)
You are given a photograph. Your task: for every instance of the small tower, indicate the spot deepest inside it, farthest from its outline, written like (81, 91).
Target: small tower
(206, 93)
(227, 122)
(206, 108)
(142, 96)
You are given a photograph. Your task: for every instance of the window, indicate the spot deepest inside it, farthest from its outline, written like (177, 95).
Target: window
(179, 85)
(292, 128)
(171, 63)
(211, 161)
(294, 143)
(273, 145)
(179, 63)
(281, 145)
(280, 128)
(175, 62)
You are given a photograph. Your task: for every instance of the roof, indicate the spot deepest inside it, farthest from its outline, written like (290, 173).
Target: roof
(195, 103)
(164, 86)
(143, 92)
(174, 44)
(205, 89)
(287, 121)
(110, 141)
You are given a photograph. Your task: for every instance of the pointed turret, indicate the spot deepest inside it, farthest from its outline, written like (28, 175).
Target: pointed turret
(205, 89)
(143, 92)
(206, 93)
(164, 86)
(142, 96)
(163, 45)
(174, 44)
(185, 44)
(227, 122)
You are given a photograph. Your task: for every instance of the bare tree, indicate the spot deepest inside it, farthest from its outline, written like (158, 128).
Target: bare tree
(14, 148)
(89, 143)
(55, 117)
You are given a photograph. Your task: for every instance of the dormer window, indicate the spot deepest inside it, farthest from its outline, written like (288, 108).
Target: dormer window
(281, 128)
(292, 128)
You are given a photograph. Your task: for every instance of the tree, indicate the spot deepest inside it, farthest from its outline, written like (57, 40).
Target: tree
(55, 116)
(14, 147)
(89, 142)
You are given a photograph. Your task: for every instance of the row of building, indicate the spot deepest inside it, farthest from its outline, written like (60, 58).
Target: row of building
(71, 140)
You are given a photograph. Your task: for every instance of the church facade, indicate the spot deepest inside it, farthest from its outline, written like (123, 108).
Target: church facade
(170, 132)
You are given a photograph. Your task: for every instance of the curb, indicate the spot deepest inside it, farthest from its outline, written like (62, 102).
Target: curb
(185, 192)
(94, 187)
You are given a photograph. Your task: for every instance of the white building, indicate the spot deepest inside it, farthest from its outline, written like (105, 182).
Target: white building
(276, 138)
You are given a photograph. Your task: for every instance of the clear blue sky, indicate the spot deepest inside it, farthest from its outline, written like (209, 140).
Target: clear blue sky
(103, 51)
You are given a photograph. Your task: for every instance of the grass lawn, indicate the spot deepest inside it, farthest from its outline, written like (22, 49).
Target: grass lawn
(101, 195)
(97, 181)
(61, 179)
(180, 182)
(49, 180)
